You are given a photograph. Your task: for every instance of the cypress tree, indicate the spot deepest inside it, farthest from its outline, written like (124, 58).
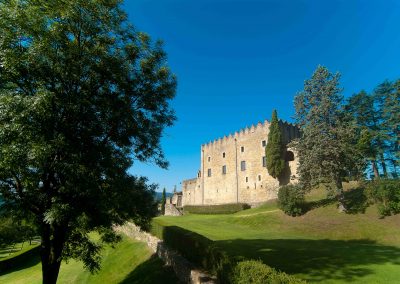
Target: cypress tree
(275, 149)
(163, 200)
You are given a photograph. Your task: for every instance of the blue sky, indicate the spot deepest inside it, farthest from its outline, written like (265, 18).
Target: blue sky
(236, 61)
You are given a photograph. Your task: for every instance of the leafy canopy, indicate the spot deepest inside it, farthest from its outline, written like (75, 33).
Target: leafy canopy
(82, 95)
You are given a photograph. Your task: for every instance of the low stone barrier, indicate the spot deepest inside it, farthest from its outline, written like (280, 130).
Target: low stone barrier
(184, 270)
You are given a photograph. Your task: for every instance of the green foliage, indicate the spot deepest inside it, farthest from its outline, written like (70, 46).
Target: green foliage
(163, 200)
(82, 95)
(386, 193)
(216, 209)
(256, 272)
(15, 231)
(275, 148)
(326, 149)
(291, 200)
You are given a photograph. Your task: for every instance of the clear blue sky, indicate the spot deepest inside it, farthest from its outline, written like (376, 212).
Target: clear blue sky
(238, 60)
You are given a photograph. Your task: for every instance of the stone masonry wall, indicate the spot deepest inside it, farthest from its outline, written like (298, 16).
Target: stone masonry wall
(183, 269)
(222, 179)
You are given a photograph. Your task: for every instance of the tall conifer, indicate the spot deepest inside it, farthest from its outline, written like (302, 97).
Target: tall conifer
(275, 149)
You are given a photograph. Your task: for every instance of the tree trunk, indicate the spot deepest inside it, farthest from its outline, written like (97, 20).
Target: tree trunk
(340, 195)
(383, 164)
(375, 169)
(51, 249)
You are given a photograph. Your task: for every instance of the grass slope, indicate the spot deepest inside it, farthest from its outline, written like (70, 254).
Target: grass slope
(321, 246)
(129, 262)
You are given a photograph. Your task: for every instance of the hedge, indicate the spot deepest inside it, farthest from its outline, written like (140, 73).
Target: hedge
(204, 253)
(216, 209)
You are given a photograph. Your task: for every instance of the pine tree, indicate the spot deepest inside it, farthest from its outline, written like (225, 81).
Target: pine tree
(361, 109)
(326, 149)
(275, 149)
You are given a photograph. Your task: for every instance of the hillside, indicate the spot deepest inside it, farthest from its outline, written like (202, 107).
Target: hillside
(129, 262)
(321, 246)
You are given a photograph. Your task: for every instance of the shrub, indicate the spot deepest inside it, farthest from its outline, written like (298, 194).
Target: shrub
(291, 200)
(256, 272)
(386, 193)
(216, 209)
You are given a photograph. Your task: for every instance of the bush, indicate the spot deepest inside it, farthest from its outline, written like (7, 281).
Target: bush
(216, 209)
(386, 193)
(256, 272)
(291, 200)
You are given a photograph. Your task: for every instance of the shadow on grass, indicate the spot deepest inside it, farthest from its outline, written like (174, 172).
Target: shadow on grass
(22, 261)
(355, 201)
(151, 271)
(319, 260)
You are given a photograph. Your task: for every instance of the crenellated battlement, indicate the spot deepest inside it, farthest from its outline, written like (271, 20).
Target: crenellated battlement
(260, 126)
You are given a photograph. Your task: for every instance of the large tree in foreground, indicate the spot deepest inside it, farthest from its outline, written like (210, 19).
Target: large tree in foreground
(327, 149)
(82, 95)
(275, 148)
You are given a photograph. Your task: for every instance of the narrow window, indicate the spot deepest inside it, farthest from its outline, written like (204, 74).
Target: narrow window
(242, 149)
(264, 143)
(224, 170)
(264, 161)
(223, 155)
(247, 179)
(243, 165)
(209, 158)
(209, 172)
(259, 177)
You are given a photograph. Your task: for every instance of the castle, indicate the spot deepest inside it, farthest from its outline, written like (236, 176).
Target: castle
(233, 169)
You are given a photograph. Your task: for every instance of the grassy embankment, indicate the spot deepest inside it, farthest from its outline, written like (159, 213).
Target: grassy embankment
(129, 262)
(321, 246)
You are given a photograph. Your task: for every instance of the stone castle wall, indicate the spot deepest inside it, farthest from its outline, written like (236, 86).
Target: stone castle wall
(232, 169)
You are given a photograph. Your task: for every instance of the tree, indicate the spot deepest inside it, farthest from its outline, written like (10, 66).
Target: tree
(387, 95)
(163, 200)
(326, 149)
(362, 110)
(275, 149)
(82, 95)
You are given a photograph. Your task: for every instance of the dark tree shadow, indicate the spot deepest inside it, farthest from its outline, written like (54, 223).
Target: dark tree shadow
(320, 260)
(152, 271)
(356, 201)
(25, 260)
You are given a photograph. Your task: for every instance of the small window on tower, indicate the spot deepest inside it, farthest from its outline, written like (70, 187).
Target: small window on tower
(224, 170)
(209, 158)
(223, 155)
(264, 143)
(209, 172)
(259, 177)
(247, 179)
(242, 149)
(243, 165)
(264, 161)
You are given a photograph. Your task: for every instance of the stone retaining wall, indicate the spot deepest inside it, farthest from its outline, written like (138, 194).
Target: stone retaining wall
(184, 270)
(171, 210)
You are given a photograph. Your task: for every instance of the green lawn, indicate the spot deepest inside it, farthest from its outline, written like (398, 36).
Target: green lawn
(129, 262)
(321, 246)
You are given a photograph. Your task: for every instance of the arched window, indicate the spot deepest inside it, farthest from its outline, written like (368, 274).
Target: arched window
(289, 156)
